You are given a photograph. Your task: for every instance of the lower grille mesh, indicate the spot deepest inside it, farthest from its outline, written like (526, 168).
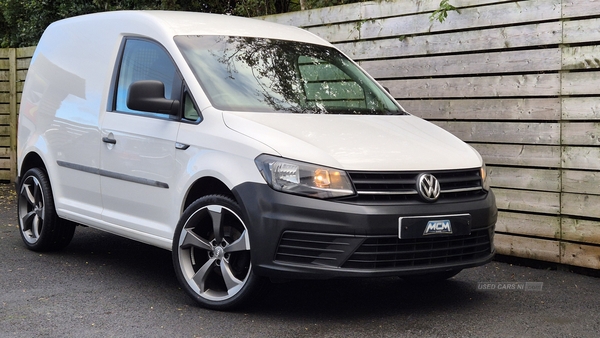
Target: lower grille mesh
(392, 252)
(381, 252)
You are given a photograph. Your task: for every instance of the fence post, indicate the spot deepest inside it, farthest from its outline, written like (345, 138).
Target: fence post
(12, 80)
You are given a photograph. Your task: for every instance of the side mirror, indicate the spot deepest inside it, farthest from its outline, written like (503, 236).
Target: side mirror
(148, 96)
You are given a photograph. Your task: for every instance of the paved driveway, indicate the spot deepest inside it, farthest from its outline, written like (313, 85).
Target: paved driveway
(105, 286)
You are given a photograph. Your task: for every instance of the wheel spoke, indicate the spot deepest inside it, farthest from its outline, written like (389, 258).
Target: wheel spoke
(216, 216)
(37, 194)
(36, 227)
(233, 284)
(28, 220)
(202, 274)
(29, 195)
(192, 240)
(241, 244)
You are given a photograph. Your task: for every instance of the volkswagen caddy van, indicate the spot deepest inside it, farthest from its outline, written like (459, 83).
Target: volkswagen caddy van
(251, 150)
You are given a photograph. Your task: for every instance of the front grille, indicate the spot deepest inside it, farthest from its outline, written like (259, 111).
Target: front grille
(392, 252)
(381, 252)
(394, 187)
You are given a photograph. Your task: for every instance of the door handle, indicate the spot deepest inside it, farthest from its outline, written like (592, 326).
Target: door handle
(181, 146)
(109, 140)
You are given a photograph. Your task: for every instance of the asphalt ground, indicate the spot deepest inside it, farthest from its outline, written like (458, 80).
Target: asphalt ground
(102, 285)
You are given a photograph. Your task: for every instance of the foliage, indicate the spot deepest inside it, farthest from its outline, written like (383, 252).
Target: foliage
(22, 22)
(441, 13)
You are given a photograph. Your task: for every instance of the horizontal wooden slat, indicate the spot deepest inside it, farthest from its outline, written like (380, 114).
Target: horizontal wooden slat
(528, 61)
(5, 163)
(575, 31)
(579, 230)
(504, 132)
(580, 205)
(535, 36)
(581, 133)
(587, 256)
(586, 83)
(576, 8)
(4, 141)
(469, 18)
(529, 224)
(21, 75)
(488, 109)
(520, 155)
(529, 201)
(523, 178)
(23, 64)
(4, 152)
(526, 247)
(5, 175)
(364, 10)
(25, 52)
(581, 158)
(585, 57)
(489, 86)
(581, 108)
(581, 182)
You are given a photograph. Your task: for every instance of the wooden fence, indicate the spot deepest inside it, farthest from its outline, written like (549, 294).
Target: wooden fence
(13, 68)
(519, 81)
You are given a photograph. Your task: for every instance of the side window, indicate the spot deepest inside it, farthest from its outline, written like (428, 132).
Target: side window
(145, 60)
(189, 110)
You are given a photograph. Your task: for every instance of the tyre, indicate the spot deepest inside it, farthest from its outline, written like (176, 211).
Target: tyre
(432, 277)
(211, 254)
(41, 228)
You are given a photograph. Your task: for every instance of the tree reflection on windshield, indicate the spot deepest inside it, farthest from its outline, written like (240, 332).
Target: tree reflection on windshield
(252, 74)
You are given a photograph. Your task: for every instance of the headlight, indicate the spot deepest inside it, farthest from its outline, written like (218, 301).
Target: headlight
(303, 178)
(485, 183)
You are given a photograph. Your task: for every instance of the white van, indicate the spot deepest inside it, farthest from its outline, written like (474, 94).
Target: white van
(251, 150)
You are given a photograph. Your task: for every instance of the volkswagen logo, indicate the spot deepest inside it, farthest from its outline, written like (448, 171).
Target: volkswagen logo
(428, 187)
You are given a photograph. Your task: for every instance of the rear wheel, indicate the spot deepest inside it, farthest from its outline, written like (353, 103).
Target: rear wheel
(41, 228)
(211, 254)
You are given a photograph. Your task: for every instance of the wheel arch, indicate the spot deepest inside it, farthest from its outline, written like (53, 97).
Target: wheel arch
(31, 160)
(204, 186)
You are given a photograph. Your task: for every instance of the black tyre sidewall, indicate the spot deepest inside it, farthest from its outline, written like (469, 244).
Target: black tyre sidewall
(56, 233)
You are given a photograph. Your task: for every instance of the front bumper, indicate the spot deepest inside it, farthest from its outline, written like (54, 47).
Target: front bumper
(299, 237)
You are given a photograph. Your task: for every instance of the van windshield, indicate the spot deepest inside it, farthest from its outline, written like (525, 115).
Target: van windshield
(267, 75)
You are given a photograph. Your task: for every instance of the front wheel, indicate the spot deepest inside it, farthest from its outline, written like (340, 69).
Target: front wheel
(211, 253)
(41, 228)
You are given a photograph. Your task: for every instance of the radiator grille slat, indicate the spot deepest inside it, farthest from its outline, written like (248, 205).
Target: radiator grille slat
(394, 187)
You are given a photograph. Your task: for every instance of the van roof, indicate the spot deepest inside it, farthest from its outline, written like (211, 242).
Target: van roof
(192, 23)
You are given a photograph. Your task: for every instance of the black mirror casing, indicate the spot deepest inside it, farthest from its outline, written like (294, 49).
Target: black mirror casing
(148, 96)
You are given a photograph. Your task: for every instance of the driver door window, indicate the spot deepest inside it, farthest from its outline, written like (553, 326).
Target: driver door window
(145, 60)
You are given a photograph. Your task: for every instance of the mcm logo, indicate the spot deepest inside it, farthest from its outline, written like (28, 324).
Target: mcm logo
(428, 187)
(438, 227)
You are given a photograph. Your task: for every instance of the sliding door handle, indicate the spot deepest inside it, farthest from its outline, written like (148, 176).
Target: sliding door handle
(109, 140)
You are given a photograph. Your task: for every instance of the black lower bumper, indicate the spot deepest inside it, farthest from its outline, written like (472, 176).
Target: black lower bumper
(299, 237)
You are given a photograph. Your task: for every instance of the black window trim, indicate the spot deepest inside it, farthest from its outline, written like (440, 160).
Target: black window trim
(112, 97)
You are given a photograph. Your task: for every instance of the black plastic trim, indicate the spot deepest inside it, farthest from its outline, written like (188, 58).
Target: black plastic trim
(112, 174)
(269, 214)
